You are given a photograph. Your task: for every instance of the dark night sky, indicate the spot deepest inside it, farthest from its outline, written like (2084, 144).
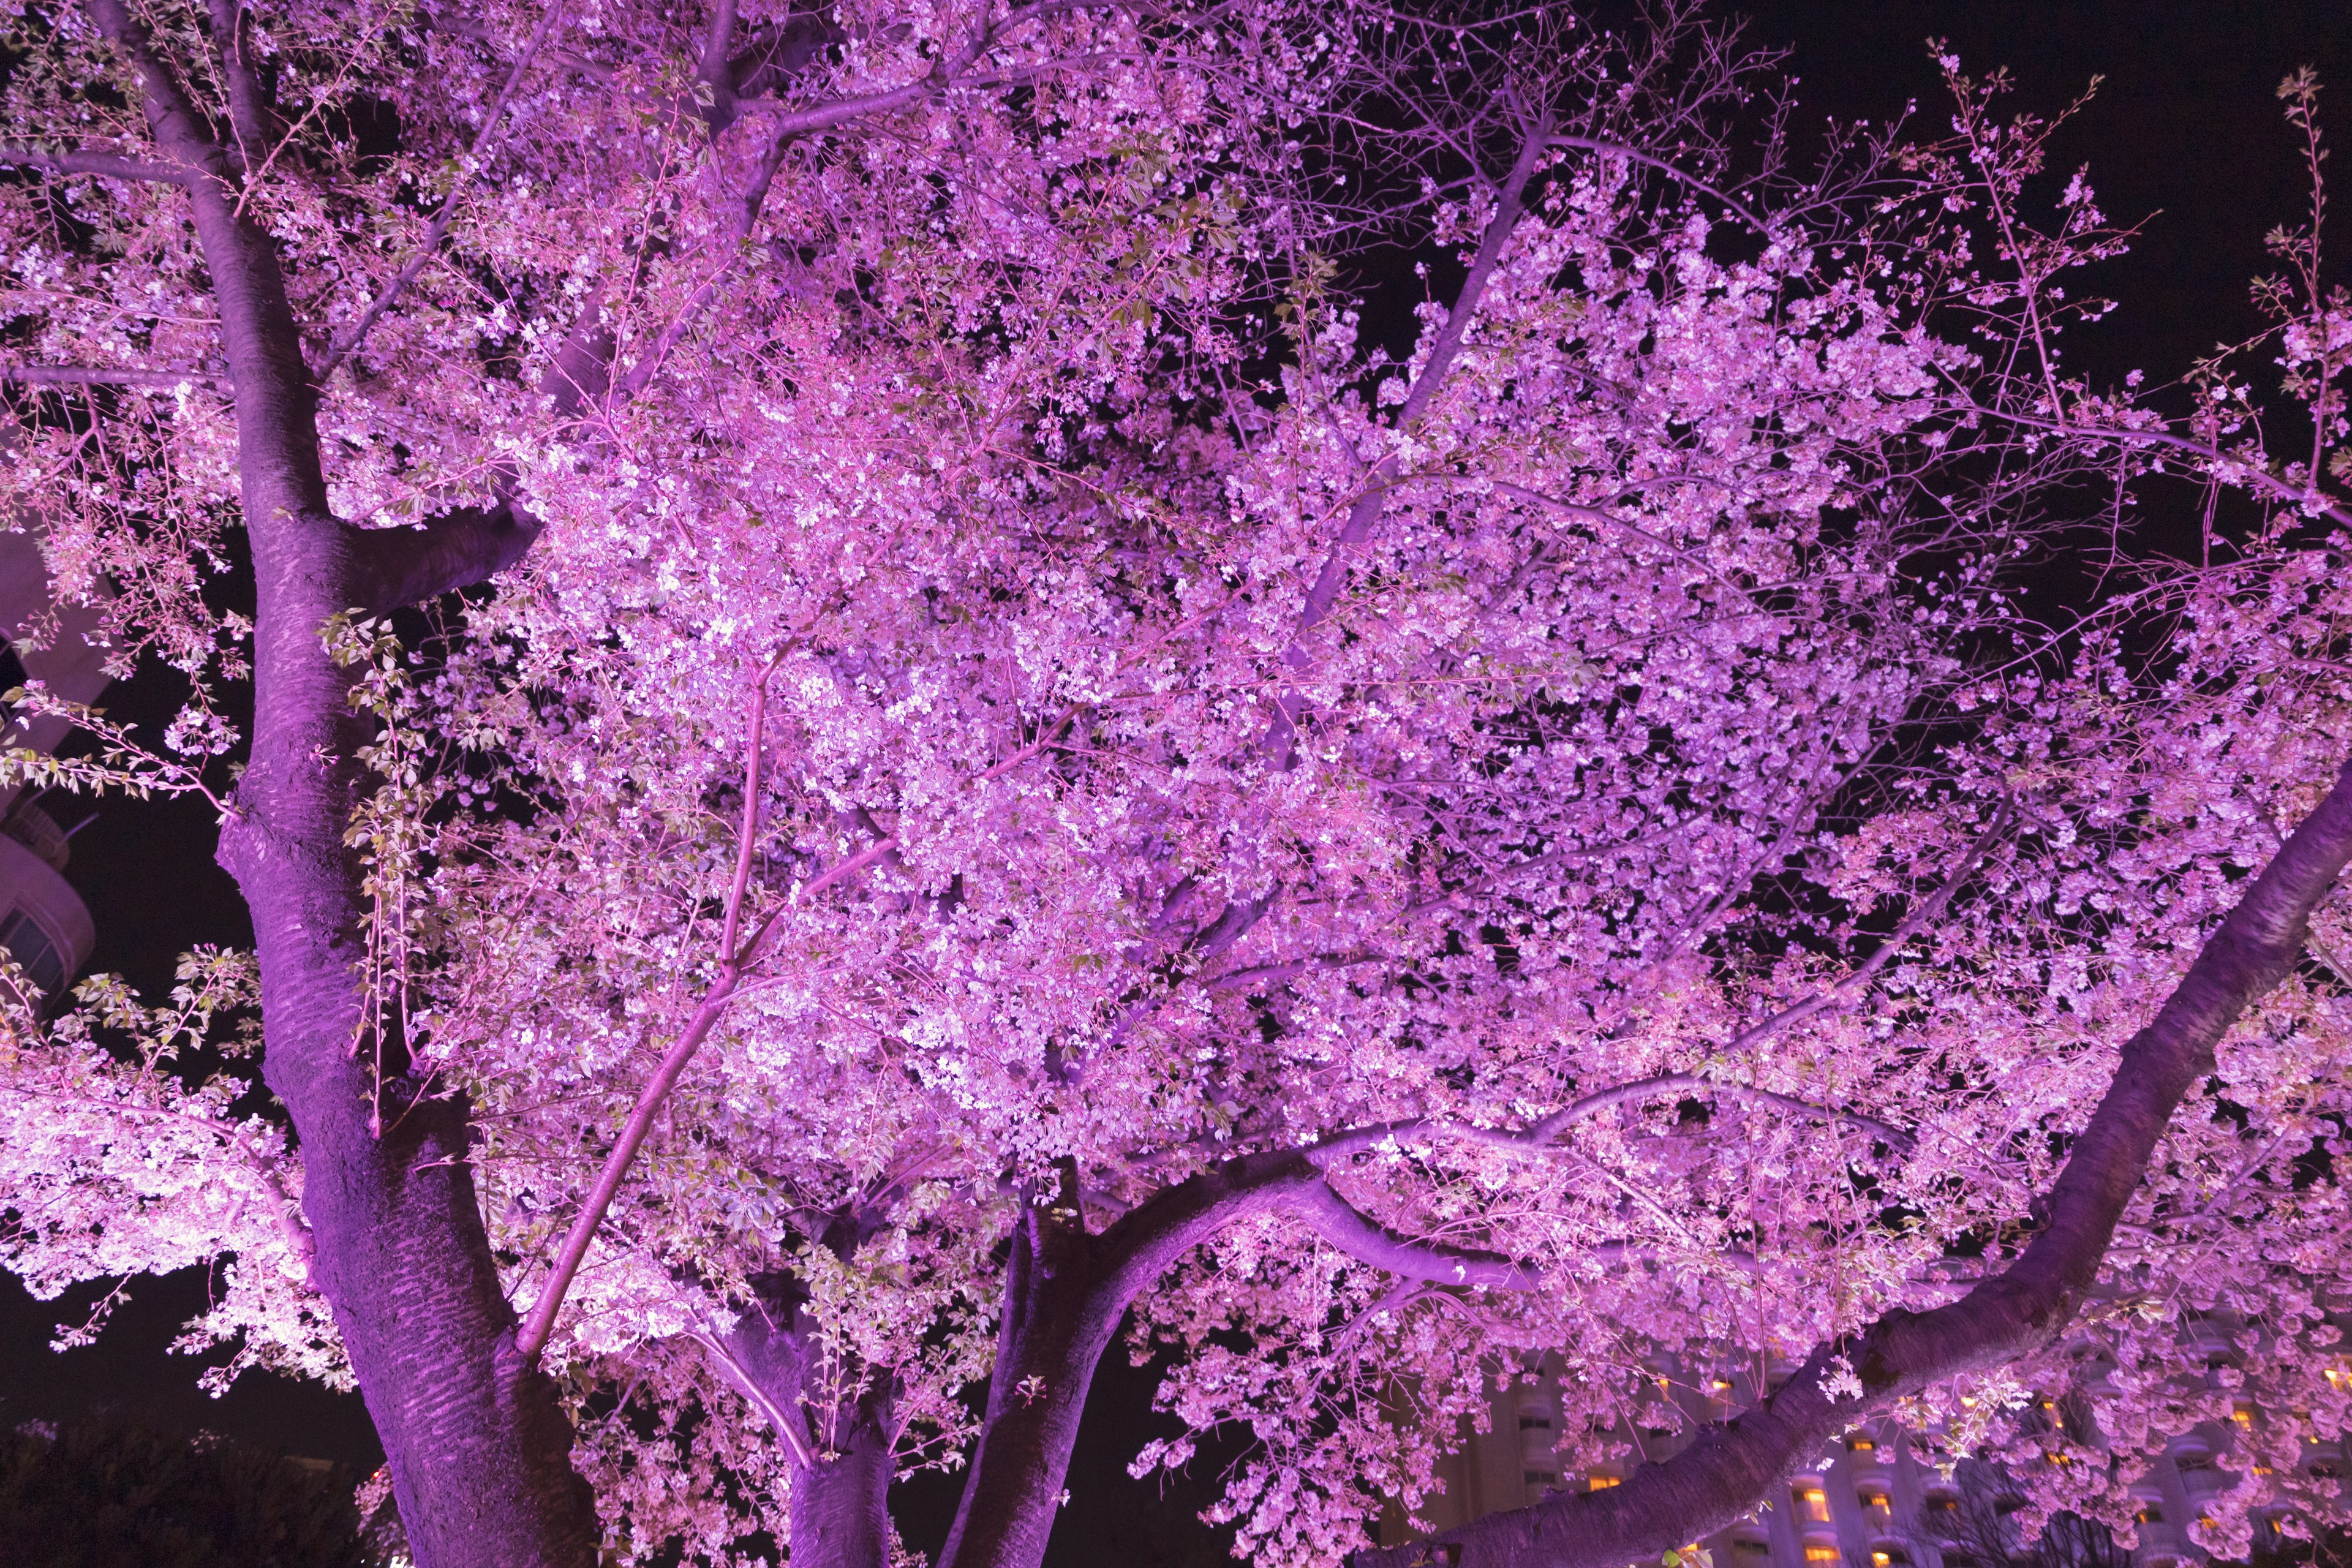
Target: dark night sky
(2185, 133)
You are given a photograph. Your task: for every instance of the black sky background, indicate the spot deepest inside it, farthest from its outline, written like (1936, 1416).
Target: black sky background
(2185, 133)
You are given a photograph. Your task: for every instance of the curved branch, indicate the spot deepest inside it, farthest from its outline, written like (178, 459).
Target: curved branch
(1365, 1239)
(1721, 1474)
(1538, 1140)
(1618, 150)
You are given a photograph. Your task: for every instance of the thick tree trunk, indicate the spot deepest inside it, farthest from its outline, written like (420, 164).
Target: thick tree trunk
(1058, 1320)
(479, 1449)
(838, 1424)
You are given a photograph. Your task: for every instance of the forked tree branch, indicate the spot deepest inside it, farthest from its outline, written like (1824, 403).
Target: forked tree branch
(1720, 1476)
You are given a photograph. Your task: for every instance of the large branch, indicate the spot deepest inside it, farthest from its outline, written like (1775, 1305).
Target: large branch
(478, 1447)
(99, 376)
(396, 566)
(399, 566)
(1730, 1466)
(93, 161)
(1348, 1228)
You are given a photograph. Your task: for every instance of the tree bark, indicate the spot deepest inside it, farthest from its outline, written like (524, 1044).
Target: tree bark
(1725, 1472)
(1065, 1293)
(839, 1426)
(479, 1449)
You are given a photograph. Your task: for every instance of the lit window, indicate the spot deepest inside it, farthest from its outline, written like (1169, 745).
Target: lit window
(2149, 1513)
(1602, 1483)
(1813, 1502)
(1873, 1503)
(2244, 1415)
(1860, 1444)
(1822, 1552)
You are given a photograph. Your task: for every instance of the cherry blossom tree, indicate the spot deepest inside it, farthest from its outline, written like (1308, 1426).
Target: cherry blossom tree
(1019, 774)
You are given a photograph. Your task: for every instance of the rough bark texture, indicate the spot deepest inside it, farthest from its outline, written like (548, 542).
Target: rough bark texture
(479, 1447)
(1721, 1475)
(838, 1429)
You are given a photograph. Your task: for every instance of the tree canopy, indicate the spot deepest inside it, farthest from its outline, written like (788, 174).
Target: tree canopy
(1375, 691)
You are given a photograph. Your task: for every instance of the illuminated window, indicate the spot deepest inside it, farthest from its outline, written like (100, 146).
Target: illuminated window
(1858, 1444)
(1602, 1483)
(1873, 1503)
(1811, 1501)
(2244, 1415)
(2149, 1513)
(1823, 1552)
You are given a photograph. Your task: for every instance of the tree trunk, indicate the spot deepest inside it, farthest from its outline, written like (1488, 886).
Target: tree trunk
(1058, 1322)
(479, 1449)
(838, 1424)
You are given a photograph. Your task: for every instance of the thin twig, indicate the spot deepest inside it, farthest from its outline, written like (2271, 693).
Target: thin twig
(352, 336)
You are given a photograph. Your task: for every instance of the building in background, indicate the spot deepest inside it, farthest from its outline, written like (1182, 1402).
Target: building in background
(44, 924)
(1867, 1502)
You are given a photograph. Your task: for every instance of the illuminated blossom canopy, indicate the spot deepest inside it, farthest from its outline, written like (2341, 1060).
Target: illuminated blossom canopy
(899, 716)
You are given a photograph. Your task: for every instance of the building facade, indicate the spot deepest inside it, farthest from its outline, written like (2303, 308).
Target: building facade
(44, 924)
